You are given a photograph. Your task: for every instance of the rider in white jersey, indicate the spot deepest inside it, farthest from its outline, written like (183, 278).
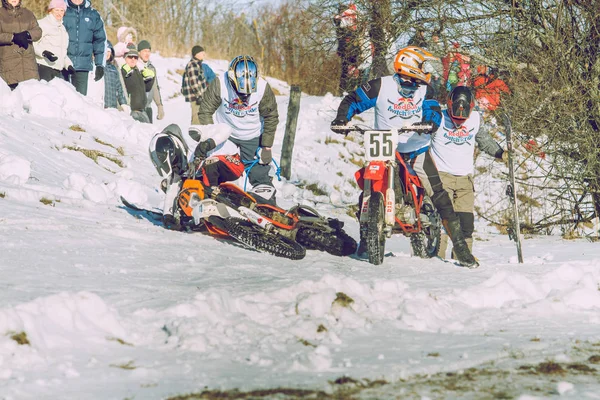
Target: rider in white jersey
(452, 149)
(401, 100)
(245, 102)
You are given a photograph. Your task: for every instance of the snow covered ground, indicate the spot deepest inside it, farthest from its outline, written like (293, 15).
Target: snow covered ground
(97, 302)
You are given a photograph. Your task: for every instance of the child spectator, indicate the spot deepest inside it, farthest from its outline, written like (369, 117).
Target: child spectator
(51, 49)
(114, 95)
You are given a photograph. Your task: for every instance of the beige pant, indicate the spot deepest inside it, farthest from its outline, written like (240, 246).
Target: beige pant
(462, 193)
(195, 109)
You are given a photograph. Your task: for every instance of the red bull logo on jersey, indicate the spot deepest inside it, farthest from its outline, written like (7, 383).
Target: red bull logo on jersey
(239, 108)
(459, 136)
(404, 107)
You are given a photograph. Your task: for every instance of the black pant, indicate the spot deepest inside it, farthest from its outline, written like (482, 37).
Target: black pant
(259, 174)
(79, 79)
(47, 73)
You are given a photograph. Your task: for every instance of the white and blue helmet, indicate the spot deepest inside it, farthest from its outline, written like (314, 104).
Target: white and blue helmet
(243, 74)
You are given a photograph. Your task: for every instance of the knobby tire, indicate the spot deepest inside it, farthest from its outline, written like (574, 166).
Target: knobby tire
(257, 238)
(375, 233)
(336, 242)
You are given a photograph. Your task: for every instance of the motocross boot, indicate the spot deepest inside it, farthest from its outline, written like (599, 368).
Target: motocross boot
(460, 247)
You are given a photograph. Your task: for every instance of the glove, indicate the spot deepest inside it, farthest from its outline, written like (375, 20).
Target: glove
(203, 148)
(22, 39)
(339, 122)
(266, 156)
(70, 70)
(128, 70)
(171, 223)
(99, 73)
(161, 112)
(148, 74)
(199, 100)
(49, 55)
(505, 157)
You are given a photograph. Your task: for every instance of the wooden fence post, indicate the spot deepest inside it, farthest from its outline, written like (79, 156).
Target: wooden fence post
(290, 131)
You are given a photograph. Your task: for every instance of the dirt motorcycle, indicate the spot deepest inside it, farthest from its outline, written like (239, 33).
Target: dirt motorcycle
(226, 210)
(393, 200)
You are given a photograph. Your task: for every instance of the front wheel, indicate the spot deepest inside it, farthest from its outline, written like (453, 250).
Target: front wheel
(335, 242)
(375, 235)
(257, 238)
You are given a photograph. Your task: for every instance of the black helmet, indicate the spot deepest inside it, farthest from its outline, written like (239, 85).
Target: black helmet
(168, 151)
(460, 104)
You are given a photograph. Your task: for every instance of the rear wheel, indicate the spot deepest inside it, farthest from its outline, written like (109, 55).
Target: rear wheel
(426, 243)
(375, 234)
(257, 238)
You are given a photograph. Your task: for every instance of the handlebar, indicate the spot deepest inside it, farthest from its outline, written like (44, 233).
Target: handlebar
(418, 128)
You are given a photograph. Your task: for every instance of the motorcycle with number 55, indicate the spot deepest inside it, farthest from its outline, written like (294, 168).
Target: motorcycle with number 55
(393, 199)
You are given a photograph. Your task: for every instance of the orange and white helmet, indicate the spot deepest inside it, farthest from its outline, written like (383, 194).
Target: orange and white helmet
(409, 62)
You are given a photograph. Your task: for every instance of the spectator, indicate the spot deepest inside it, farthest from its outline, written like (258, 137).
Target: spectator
(457, 68)
(126, 36)
(143, 49)
(349, 46)
(488, 88)
(17, 57)
(137, 84)
(51, 49)
(87, 40)
(114, 95)
(196, 78)
(418, 40)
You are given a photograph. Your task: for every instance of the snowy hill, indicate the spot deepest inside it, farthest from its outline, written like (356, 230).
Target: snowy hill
(99, 304)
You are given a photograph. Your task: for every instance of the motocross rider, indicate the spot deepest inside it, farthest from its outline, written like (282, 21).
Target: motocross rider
(452, 147)
(401, 100)
(171, 157)
(245, 102)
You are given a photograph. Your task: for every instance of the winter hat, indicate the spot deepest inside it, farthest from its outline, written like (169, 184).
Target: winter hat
(132, 52)
(197, 49)
(61, 4)
(143, 45)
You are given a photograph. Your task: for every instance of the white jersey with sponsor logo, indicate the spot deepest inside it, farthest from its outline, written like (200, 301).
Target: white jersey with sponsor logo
(243, 118)
(396, 111)
(452, 147)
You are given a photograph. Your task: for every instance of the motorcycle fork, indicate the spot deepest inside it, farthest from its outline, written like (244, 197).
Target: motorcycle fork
(390, 199)
(364, 204)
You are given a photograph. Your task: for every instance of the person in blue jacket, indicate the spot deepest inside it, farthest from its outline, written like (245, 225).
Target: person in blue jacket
(87, 41)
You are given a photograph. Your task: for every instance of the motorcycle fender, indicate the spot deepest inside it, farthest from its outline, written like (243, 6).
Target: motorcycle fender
(209, 207)
(390, 204)
(255, 218)
(375, 171)
(190, 187)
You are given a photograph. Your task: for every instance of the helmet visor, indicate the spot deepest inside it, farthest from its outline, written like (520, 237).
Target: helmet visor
(461, 107)
(246, 75)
